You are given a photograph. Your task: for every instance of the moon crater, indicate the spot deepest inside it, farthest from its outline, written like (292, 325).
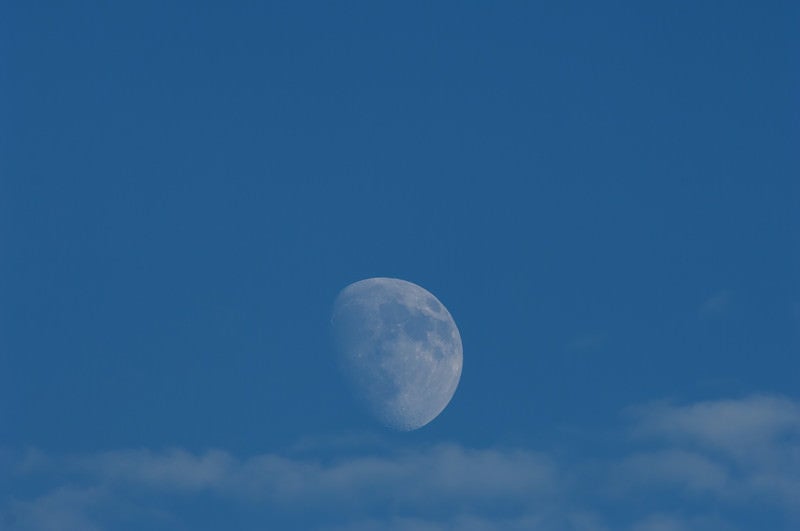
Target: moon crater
(399, 349)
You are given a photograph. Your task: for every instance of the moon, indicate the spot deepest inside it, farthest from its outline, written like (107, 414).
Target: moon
(399, 349)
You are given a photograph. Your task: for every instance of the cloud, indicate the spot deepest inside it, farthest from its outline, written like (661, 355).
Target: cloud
(174, 469)
(461, 523)
(737, 449)
(716, 305)
(684, 470)
(668, 522)
(443, 475)
(736, 427)
(661, 523)
(441, 481)
(715, 460)
(586, 342)
(65, 508)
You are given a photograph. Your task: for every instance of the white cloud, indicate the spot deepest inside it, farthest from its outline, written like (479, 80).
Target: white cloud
(739, 427)
(739, 449)
(174, 469)
(726, 455)
(66, 508)
(661, 523)
(435, 487)
(667, 522)
(458, 523)
(444, 475)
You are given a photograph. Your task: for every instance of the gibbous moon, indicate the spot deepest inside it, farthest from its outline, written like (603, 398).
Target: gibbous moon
(399, 348)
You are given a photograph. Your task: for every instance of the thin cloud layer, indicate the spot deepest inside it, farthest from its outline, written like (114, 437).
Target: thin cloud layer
(719, 458)
(737, 427)
(443, 475)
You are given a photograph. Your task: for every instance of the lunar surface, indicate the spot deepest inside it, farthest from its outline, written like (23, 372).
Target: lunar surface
(399, 348)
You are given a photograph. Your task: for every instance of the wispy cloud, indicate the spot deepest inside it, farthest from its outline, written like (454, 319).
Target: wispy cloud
(444, 474)
(742, 427)
(725, 455)
(747, 448)
(586, 342)
(65, 508)
(669, 522)
(685, 470)
(445, 479)
(716, 305)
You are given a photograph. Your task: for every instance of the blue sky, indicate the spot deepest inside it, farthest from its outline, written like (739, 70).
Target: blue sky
(604, 195)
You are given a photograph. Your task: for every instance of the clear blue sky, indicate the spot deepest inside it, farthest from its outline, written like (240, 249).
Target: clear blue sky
(605, 195)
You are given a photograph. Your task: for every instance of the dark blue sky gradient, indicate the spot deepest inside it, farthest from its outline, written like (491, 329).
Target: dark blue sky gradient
(604, 194)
